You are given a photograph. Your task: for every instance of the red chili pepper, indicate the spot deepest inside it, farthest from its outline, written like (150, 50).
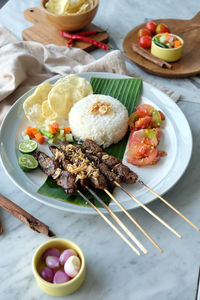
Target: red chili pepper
(69, 43)
(85, 39)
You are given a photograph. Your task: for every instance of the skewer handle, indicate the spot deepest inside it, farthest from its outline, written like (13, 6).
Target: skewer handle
(119, 222)
(170, 205)
(133, 220)
(149, 211)
(110, 224)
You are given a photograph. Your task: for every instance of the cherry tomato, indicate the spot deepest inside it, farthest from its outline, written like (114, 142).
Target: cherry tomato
(145, 41)
(143, 32)
(162, 28)
(151, 25)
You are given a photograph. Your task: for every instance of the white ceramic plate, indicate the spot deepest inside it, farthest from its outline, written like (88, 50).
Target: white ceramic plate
(176, 141)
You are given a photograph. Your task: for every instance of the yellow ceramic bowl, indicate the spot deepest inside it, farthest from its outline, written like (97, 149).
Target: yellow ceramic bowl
(70, 22)
(167, 54)
(62, 289)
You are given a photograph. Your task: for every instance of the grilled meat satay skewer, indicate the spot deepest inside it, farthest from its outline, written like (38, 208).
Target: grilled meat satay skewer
(125, 174)
(64, 165)
(85, 169)
(66, 180)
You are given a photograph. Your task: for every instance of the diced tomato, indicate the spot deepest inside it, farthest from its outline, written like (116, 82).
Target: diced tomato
(142, 113)
(158, 132)
(146, 116)
(131, 122)
(143, 123)
(142, 145)
(149, 156)
(145, 108)
(144, 136)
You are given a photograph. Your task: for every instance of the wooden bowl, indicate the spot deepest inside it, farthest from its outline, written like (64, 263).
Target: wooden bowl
(70, 22)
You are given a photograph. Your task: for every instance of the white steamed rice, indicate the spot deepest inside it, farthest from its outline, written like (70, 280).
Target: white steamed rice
(103, 129)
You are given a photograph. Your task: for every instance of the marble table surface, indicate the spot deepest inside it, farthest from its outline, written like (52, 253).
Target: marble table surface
(113, 271)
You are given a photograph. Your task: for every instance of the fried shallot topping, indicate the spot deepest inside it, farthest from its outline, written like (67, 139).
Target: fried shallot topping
(101, 108)
(81, 165)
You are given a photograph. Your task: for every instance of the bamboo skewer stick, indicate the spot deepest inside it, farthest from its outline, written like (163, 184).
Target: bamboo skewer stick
(119, 222)
(133, 220)
(110, 223)
(25, 217)
(148, 210)
(170, 205)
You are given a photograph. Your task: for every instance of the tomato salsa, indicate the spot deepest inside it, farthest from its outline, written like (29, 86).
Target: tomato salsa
(144, 125)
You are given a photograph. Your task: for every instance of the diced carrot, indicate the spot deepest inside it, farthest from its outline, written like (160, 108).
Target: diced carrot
(55, 125)
(67, 129)
(29, 132)
(40, 138)
(34, 131)
(177, 44)
(52, 129)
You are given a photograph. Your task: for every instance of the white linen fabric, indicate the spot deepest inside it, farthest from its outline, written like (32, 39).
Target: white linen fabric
(24, 65)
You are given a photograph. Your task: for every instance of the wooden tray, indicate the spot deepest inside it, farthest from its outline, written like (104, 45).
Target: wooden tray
(188, 65)
(43, 32)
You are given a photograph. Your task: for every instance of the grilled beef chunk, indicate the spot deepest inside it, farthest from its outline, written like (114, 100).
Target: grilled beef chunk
(51, 168)
(78, 158)
(91, 147)
(98, 182)
(123, 172)
(111, 176)
(109, 160)
(46, 163)
(67, 182)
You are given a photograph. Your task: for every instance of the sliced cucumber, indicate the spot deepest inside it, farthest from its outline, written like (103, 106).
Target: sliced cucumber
(69, 137)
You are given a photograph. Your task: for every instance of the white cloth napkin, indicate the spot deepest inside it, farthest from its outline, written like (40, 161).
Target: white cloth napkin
(24, 65)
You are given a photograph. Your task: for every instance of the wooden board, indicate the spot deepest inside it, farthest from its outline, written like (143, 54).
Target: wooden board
(188, 65)
(43, 32)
